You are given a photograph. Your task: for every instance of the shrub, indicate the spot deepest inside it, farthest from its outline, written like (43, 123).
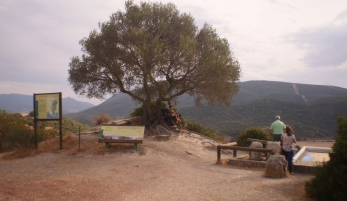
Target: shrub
(69, 125)
(196, 127)
(252, 132)
(330, 179)
(101, 118)
(19, 137)
(14, 134)
(138, 112)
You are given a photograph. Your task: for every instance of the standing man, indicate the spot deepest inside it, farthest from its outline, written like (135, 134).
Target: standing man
(277, 128)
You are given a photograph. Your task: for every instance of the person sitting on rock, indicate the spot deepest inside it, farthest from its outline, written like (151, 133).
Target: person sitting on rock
(175, 114)
(168, 104)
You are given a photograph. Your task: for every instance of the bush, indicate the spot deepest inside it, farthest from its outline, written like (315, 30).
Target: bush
(14, 134)
(69, 125)
(330, 179)
(101, 118)
(196, 127)
(138, 112)
(252, 132)
(19, 137)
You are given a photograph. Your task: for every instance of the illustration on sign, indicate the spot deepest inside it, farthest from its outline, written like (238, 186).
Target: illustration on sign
(47, 106)
(52, 108)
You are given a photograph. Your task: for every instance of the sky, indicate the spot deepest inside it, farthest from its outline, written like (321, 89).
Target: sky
(296, 41)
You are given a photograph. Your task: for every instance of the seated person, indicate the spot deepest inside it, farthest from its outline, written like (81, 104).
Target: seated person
(173, 113)
(168, 105)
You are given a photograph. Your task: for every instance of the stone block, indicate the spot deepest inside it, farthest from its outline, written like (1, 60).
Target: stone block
(256, 156)
(276, 166)
(275, 146)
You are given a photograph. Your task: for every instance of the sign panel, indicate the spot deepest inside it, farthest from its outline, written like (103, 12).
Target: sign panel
(123, 132)
(47, 106)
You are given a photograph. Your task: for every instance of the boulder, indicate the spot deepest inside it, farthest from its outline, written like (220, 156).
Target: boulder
(276, 166)
(275, 146)
(256, 156)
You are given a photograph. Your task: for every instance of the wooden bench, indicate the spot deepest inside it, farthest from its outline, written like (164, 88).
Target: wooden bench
(235, 148)
(121, 134)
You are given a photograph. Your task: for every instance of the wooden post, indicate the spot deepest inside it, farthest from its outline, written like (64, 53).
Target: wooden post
(61, 121)
(218, 155)
(79, 138)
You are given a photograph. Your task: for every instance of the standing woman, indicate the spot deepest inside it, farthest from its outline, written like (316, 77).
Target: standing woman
(288, 142)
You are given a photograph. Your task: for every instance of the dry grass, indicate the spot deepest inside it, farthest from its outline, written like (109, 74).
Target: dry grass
(70, 146)
(88, 144)
(101, 119)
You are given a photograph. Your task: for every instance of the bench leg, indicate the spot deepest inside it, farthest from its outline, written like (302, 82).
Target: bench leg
(136, 146)
(107, 145)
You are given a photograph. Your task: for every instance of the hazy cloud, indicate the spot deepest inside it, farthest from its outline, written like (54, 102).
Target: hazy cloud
(38, 38)
(326, 45)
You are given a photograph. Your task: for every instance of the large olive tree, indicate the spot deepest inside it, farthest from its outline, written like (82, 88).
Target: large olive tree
(152, 51)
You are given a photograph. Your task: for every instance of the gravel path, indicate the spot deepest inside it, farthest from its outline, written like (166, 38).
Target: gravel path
(179, 169)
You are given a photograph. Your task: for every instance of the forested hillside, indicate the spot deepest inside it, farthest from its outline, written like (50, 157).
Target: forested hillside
(311, 109)
(314, 121)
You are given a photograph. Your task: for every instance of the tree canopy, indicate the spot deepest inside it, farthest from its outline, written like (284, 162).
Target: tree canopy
(151, 51)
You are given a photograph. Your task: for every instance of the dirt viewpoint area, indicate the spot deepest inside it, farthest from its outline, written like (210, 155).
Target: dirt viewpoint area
(183, 168)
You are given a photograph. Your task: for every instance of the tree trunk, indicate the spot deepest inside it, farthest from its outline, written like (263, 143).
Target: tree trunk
(149, 117)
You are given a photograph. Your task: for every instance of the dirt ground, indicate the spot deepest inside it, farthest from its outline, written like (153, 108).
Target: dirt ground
(182, 168)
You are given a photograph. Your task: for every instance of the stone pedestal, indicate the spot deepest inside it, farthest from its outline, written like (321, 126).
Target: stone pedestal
(276, 166)
(256, 156)
(275, 146)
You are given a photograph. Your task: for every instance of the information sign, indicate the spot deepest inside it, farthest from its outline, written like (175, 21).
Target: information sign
(47, 106)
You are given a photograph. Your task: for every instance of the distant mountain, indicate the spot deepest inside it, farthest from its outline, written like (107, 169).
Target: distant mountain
(24, 104)
(311, 109)
(284, 91)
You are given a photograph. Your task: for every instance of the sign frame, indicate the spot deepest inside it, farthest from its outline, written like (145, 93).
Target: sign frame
(48, 107)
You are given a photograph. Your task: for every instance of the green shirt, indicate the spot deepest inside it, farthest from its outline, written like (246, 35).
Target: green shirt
(277, 127)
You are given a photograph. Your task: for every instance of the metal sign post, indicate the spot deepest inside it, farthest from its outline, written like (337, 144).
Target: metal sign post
(48, 107)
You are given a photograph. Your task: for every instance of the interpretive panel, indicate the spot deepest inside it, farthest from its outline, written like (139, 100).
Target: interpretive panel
(123, 132)
(47, 106)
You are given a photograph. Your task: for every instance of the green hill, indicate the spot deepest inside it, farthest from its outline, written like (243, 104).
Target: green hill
(311, 109)
(314, 121)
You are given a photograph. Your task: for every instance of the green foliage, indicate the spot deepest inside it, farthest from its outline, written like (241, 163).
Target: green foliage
(101, 119)
(313, 121)
(69, 125)
(254, 133)
(330, 179)
(141, 53)
(19, 137)
(15, 134)
(138, 112)
(196, 127)
(8, 121)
